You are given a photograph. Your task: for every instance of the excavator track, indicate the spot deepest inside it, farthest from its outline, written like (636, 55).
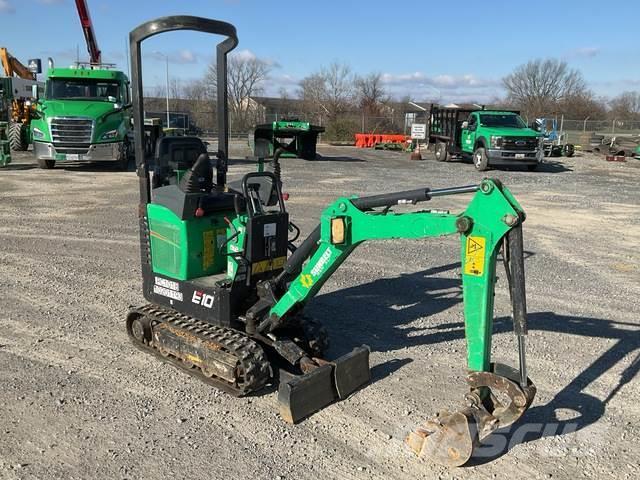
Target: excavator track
(222, 357)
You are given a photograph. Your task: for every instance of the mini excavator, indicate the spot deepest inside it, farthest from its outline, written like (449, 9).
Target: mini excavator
(227, 287)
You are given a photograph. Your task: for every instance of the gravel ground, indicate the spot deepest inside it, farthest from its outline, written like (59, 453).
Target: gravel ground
(79, 401)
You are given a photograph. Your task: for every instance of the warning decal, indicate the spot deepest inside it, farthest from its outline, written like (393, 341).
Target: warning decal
(474, 256)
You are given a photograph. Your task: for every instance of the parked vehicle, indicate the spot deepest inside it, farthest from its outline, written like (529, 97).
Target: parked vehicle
(16, 107)
(488, 137)
(85, 115)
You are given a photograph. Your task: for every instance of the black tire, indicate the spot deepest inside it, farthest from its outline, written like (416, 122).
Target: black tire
(480, 159)
(18, 140)
(533, 167)
(569, 150)
(124, 156)
(46, 164)
(441, 152)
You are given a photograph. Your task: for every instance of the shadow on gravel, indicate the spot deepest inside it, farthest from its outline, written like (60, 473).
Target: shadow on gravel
(323, 158)
(19, 166)
(379, 313)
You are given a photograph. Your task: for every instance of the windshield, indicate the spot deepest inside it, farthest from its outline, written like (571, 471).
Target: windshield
(502, 120)
(83, 89)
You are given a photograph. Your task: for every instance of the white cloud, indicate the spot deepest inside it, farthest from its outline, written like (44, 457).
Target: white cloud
(247, 54)
(6, 7)
(182, 57)
(582, 52)
(444, 87)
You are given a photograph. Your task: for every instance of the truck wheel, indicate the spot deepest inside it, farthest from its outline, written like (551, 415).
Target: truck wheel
(18, 137)
(441, 152)
(46, 164)
(124, 156)
(533, 167)
(480, 159)
(569, 150)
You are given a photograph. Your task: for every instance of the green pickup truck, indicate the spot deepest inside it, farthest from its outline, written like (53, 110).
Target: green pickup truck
(488, 137)
(85, 115)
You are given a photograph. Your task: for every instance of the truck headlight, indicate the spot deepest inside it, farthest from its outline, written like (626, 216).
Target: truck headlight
(110, 135)
(37, 133)
(496, 141)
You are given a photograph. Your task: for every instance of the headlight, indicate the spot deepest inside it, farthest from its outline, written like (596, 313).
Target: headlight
(110, 135)
(37, 133)
(496, 142)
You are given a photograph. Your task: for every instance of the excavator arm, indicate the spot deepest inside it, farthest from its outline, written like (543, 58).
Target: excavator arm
(12, 66)
(491, 222)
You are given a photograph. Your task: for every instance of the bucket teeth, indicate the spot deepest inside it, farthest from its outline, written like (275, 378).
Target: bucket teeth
(302, 395)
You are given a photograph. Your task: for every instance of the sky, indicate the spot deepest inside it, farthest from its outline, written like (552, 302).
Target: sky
(429, 51)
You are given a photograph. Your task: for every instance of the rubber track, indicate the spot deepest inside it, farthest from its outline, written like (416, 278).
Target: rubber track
(255, 368)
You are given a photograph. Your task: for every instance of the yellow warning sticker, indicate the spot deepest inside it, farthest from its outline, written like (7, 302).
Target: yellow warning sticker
(306, 280)
(268, 265)
(474, 256)
(208, 251)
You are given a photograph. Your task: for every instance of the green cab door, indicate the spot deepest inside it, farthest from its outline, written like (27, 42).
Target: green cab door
(468, 134)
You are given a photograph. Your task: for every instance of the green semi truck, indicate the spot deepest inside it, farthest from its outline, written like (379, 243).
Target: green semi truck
(488, 137)
(85, 115)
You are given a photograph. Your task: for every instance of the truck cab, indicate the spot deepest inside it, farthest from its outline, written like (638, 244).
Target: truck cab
(499, 138)
(488, 137)
(85, 115)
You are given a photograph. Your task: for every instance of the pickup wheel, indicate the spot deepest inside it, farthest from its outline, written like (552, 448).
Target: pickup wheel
(46, 164)
(480, 159)
(441, 152)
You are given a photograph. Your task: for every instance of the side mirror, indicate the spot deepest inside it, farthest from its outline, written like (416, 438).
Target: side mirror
(465, 124)
(35, 94)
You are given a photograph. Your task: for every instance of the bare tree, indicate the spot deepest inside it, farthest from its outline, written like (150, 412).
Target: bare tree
(331, 90)
(370, 93)
(246, 75)
(626, 106)
(540, 85)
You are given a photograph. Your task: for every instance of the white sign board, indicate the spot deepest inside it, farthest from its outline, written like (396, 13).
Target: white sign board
(419, 131)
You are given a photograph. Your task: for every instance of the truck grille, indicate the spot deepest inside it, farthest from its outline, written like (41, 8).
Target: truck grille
(520, 143)
(71, 135)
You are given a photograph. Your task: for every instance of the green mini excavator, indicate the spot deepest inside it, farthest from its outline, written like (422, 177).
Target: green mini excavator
(227, 286)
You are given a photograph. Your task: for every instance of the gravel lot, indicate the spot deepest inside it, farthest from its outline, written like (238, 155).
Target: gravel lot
(78, 401)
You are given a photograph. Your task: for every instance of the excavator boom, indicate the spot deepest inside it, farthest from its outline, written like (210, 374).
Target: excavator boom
(95, 55)
(492, 222)
(13, 67)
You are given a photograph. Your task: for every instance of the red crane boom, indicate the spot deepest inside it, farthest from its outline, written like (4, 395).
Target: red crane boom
(95, 55)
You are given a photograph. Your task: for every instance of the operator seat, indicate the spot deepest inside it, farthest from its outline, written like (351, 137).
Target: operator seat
(196, 191)
(175, 153)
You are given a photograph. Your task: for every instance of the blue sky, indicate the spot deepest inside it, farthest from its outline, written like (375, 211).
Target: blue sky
(428, 50)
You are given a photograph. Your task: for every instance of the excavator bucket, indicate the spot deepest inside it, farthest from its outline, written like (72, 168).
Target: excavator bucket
(496, 400)
(302, 395)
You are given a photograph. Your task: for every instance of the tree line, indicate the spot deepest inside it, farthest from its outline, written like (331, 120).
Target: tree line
(542, 87)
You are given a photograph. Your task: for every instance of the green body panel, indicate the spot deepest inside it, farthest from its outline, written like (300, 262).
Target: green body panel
(5, 150)
(186, 249)
(470, 138)
(488, 211)
(106, 117)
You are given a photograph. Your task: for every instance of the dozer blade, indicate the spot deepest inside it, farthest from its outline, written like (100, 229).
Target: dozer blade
(301, 395)
(351, 371)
